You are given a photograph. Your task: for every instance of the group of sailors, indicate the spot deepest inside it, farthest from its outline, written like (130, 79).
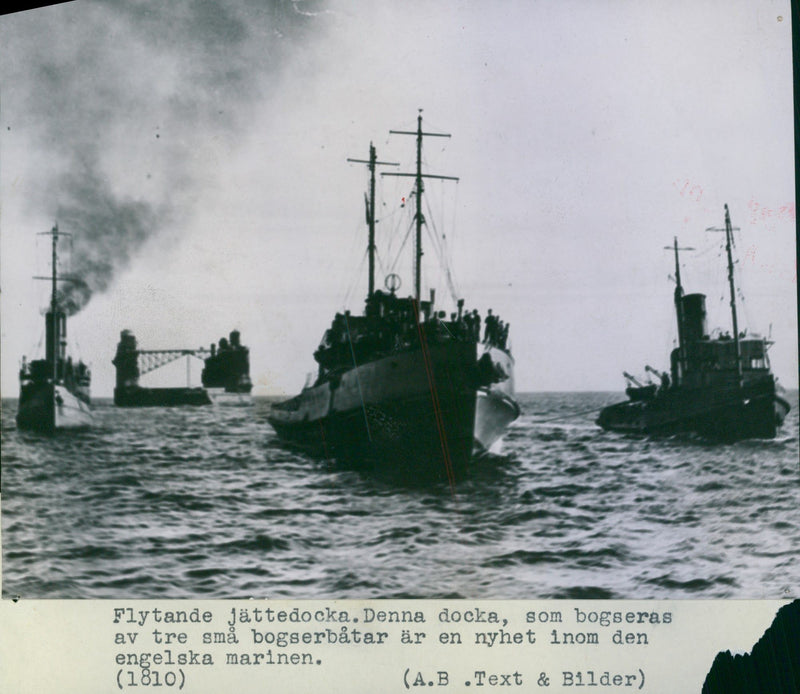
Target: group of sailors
(467, 326)
(392, 323)
(496, 332)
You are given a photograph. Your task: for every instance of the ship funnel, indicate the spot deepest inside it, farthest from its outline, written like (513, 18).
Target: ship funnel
(55, 336)
(694, 317)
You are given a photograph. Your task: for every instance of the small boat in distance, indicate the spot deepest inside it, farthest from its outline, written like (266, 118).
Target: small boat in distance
(54, 391)
(721, 388)
(404, 388)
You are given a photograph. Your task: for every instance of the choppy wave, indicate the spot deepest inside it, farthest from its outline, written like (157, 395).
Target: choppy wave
(204, 502)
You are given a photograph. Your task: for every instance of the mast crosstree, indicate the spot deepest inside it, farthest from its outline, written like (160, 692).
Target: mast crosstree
(372, 162)
(735, 324)
(418, 189)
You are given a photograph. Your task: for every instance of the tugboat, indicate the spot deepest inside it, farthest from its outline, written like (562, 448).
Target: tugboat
(404, 387)
(721, 388)
(54, 391)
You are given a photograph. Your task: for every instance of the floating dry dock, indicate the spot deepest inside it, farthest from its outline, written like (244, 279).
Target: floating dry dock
(226, 367)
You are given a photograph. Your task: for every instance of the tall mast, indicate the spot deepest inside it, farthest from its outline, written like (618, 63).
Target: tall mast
(55, 322)
(418, 216)
(54, 304)
(371, 211)
(728, 244)
(418, 189)
(679, 301)
(678, 298)
(53, 294)
(735, 324)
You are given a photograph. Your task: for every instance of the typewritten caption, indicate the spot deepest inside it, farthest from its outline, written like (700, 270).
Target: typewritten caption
(415, 645)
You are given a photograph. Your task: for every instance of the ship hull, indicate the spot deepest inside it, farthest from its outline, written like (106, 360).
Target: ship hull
(495, 405)
(411, 413)
(493, 413)
(48, 408)
(723, 413)
(135, 396)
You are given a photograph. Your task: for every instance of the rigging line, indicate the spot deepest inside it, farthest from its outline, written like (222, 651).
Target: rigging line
(38, 347)
(400, 251)
(396, 233)
(381, 268)
(355, 245)
(440, 243)
(345, 288)
(385, 219)
(571, 415)
(433, 232)
(451, 273)
(444, 268)
(705, 251)
(355, 279)
(453, 223)
(381, 195)
(398, 213)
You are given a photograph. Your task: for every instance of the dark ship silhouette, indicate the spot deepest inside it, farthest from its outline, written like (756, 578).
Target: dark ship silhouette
(225, 369)
(402, 387)
(54, 391)
(128, 392)
(720, 388)
(228, 366)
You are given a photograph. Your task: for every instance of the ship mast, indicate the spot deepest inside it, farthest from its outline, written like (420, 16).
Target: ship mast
(728, 246)
(371, 163)
(55, 337)
(418, 189)
(54, 304)
(57, 320)
(679, 302)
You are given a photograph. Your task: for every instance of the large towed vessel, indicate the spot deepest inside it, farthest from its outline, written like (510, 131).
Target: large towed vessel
(226, 370)
(405, 387)
(54, 391)
(719, 387)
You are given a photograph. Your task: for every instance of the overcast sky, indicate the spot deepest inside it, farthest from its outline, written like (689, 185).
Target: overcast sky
(196, 150)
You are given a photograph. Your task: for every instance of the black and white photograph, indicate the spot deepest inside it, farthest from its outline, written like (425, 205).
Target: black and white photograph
(325, 299)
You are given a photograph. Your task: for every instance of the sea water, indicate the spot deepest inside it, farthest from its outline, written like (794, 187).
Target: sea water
(205, 502)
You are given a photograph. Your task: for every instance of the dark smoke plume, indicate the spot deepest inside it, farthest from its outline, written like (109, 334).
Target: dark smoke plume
(108, 231)
(124, 95)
